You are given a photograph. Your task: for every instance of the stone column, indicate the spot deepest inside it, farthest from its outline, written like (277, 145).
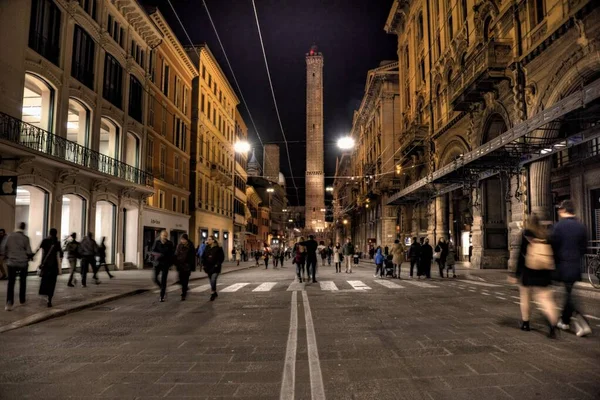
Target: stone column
(441, 220)
(477, 231)
(515, 224)
(540, 196)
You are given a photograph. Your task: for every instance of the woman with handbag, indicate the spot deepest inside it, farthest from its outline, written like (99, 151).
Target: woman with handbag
(451, 260)
(212, 259)
(185, 257)
(534, 274)
(337, 257)
(440, 254)
(52, 256)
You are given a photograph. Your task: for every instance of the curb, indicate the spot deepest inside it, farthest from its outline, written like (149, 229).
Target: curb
(59, 312)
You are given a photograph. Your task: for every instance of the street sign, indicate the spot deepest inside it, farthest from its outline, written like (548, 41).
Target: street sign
(8, 185)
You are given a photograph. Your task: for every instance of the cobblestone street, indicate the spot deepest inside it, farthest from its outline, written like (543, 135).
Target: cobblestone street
(373, 339)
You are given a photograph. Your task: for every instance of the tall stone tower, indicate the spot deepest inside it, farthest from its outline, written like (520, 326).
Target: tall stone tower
(315, 184)
(271, 162)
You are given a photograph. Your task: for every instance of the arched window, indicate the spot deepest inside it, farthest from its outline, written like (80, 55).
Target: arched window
(109, 138)
(488, 31)
(132, 150)
(78, 123)
(438, 103)
(38, 102)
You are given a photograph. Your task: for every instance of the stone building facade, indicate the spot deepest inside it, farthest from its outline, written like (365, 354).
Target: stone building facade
(498, 102)
(73, 100)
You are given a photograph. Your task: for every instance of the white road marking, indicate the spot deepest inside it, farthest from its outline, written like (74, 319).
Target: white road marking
(265, 287)
(592, 317)
(201, 288)
(296, 286)
(485, 294)
(358, 285)
(499, 293)
(420, 284)
(288, 379)
(479, 283)
(516, 297)
(517, 303)
(234, 288)
(328, 285)
(317, 390)
(389, 284)
(169, 289)
(501, 298)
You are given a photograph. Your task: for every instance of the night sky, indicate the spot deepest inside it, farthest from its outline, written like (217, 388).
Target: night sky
(349, 34)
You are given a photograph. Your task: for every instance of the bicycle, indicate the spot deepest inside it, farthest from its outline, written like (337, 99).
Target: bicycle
(593, 268)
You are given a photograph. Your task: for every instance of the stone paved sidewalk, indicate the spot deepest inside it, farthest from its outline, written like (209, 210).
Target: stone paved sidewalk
(67, 299)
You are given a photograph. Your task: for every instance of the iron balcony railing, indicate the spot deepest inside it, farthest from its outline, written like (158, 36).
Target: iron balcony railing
(42, 141)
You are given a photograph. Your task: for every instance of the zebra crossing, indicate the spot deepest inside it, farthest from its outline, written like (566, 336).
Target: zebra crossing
(325, 286)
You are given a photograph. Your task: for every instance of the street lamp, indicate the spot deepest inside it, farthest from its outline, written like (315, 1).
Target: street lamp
(329, 189)
(346, 143)
(270, 190)
(345, 222)
(240, 147)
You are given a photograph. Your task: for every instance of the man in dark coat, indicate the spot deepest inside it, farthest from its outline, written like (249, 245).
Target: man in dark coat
(413, 254)
(569, 242)
(185, 256)
(163, 251)
(425, 257)
(88, 250)
(311, 256)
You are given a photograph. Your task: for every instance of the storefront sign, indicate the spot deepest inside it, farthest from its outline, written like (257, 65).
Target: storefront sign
(156, 219)
(8, 185)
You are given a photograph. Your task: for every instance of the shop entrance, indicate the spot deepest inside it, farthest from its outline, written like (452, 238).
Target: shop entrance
(31, 207)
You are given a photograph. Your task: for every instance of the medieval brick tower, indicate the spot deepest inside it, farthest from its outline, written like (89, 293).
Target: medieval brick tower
(315, 184)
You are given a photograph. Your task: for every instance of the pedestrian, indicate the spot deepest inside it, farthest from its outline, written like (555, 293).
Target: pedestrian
(348, 254)
(386, 251)
(440, 254)
(397, 256)
(185, 257)
(371, 252)
(163, 251)
(52, 256)
(300, 260)
(238, 254)
(322, 251)
(71, 247)
(3, 271)
(102, 257)
(212, 260)
(425, 258)
(266, 252)
(451, 260)
(281, 257)
(379, 258)
(233, 254)
(257, 257)
(311, 257)
(329, 253)
(414, 252)
(532, 279)
(17, 250)
(88, 250)
(569, 241)
(201, 249)
(337, 257)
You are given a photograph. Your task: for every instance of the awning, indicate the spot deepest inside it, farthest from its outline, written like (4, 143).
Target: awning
(509, 151)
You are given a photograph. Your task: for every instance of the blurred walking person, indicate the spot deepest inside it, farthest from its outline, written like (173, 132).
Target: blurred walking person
(163, 251)
(71, 247)
(88, 250)
(257, 257)
(440, 255)
(300, 260)
(52, 256)
(322, 251)
(397, 257)
(311, 257)
(534, 274)
(414, 252)
(379, 263)
(451, 260)
(569, 241)
(238, 257)
(281, 257)
(348, 254)
(185, 257)
(3, 271)
(212, 260)
(102, 257)
(17, 250)
(425, 258)
(266, 252)
(337, 257)
(276, 257)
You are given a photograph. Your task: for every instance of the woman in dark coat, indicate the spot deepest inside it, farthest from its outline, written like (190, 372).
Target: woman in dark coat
(185, 258)
(102, 257)
(52, 255)
(212, 258)
(425, 259)
(535, 282)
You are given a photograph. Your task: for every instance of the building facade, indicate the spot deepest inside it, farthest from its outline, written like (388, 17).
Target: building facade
(213, 136)
(497, 101)
(171, 73)
(73, 101)
(240, 211)
(315, 177)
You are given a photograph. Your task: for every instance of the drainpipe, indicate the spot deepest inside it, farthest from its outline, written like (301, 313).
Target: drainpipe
(431, 118)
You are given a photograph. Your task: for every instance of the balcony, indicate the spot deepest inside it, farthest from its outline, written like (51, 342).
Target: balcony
(482, 71)
(55, 147)
(220, 174)
(413, 137)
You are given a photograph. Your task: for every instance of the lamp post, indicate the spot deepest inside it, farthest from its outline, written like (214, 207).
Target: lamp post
(241, 147)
